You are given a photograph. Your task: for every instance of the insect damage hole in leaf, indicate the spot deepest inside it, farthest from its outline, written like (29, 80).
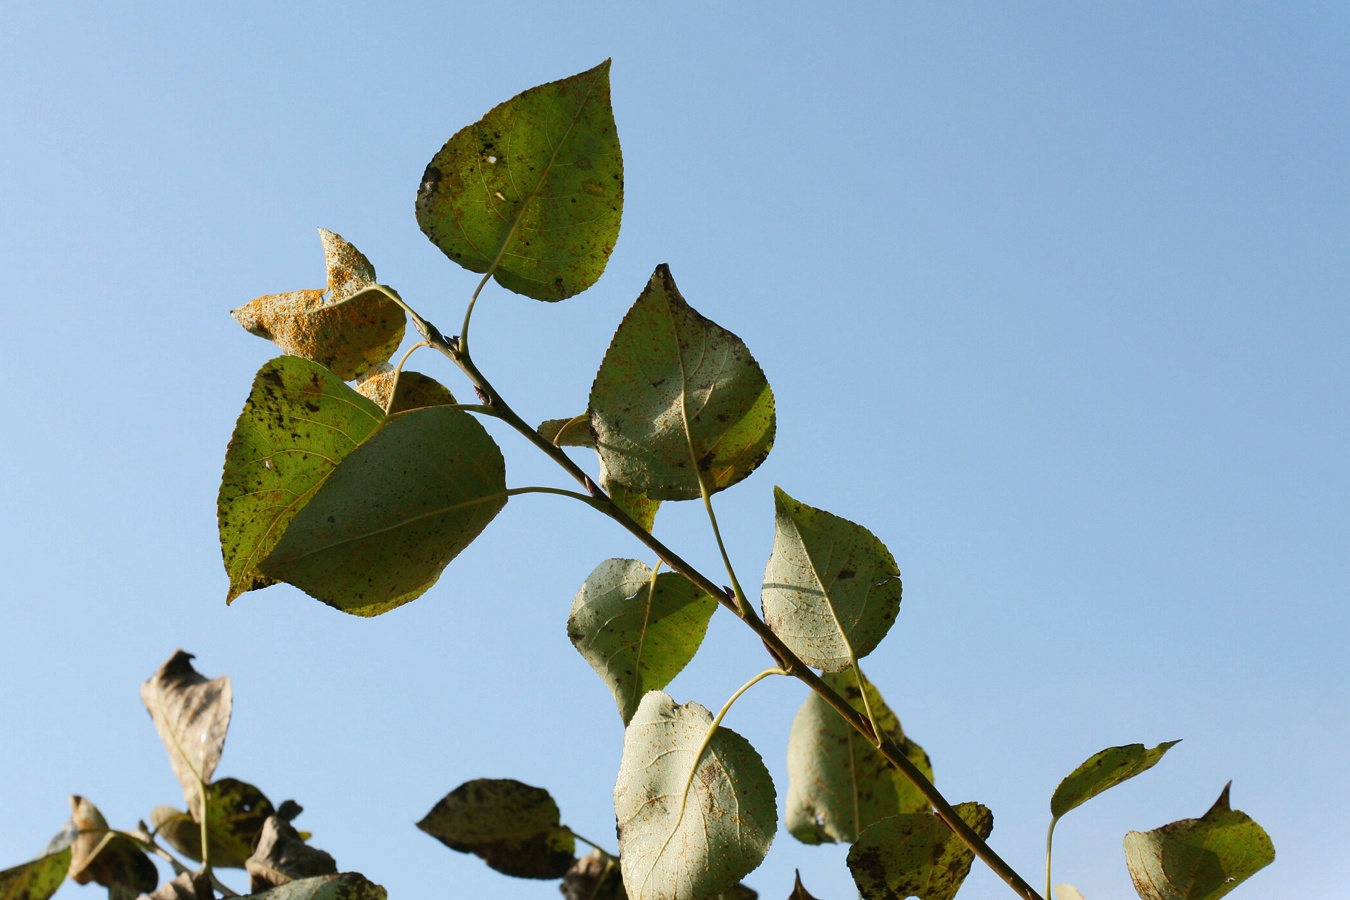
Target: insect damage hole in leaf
(533, 191)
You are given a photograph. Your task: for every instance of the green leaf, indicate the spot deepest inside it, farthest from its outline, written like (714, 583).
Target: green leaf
(299, 422)
(677, 398)
(235, 810)
(352, 328)
(1103, 771)
(409, 390)
(696, 810)
(98, 855)
(513, 827)
(36, 880)
(831, 588)
(347, 886)
(192, 716)
(379, 531)
(838, 784)
(915, 855)
(533, 191)
(1198, 859)
(636, 631)
(576, 432)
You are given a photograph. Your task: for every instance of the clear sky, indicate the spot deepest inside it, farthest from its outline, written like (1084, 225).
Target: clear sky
(1053, 298)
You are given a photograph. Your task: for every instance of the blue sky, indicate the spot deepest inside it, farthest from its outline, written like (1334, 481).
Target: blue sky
(1053, 299)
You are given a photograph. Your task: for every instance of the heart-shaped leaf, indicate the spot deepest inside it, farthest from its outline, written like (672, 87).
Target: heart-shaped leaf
(347, 886)
(831, 588)
(915, 855)
(300, 421)
(1198, 859)
(36, 880)
(678, 399)
(637, 631)
(838, 784)
(387, 521)
(235, 811)
(98, 855)
(513, 827)
(696, 808)
(533, 191)
(192, 716)
(350, 330)
(1103, 771)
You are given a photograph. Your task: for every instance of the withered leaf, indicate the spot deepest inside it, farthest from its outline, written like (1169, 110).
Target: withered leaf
(99, 855)
(281, 856)
(192, 716)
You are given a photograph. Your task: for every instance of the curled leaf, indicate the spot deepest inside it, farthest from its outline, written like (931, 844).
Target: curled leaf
(99, 855)
(533, 191)
(915, 855)
(236, 812)
(282, 856)
(192, 716)
(511, 826)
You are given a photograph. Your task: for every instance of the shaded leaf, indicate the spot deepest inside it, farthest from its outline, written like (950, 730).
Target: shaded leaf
(1103, 771)
(636, 631)
(409, 390)
(192, 716)
(36, 880)
(187, 886)
(799, 891)
(533, 191)
(595, 876)
(513, 827)
(640, 508)
(831, 588)
(573, 432)
(678, 397)
(99, 855)
(576, 432)
(282, 856)
(1198, 859)
(299, 422)
(696, 811)
(838, 783)
(915, 855)
(379, 531)
(354, 327)
(236, 812)
(347, 886)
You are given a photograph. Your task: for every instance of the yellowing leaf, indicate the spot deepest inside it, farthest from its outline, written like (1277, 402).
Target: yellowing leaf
(36, 880)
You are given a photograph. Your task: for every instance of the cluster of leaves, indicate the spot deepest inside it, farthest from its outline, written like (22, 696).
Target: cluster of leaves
(234, 821)
(361, 494)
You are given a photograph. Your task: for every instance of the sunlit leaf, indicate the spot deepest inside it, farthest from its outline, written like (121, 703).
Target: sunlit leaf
(349, 329)
(677, 398)
(573, 432)
(513, 827)
(36, 880)
(379, 531)
(533, 191)
(235, 812)
(192, 716)
(838, 783)
(696, 811)
(915, 855)
(300, 421)
(406, 390)
(636, 631)
(282, 856)
(1103, 771)
(100, 856)
(1198, 859)
(347, 886)
(831, 588)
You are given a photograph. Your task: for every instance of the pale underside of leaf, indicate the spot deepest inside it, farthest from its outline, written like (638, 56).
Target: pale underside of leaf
(192, 716)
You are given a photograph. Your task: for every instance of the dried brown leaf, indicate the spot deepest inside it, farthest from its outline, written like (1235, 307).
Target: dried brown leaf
(99, 855)
(281, 856)
(192, 716)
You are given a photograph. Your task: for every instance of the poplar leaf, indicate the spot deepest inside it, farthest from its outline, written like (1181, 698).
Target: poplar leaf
(533, 191)
(678, 398)
(236, 812)
(696, 811)
(595, 876)
(513, 827)
(349, 329)
(636, 631)
(36, 880)
(831, 588)
(1068, 892)
(838, 783)
(381, 528)
(192, 716)
(100, 856)
(573, 432)
(915, 855)
(409, 390)
(576, 432)
(1198, 859)
(282, 856)
(1103, 771)
(298, 423)
(347, 886)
